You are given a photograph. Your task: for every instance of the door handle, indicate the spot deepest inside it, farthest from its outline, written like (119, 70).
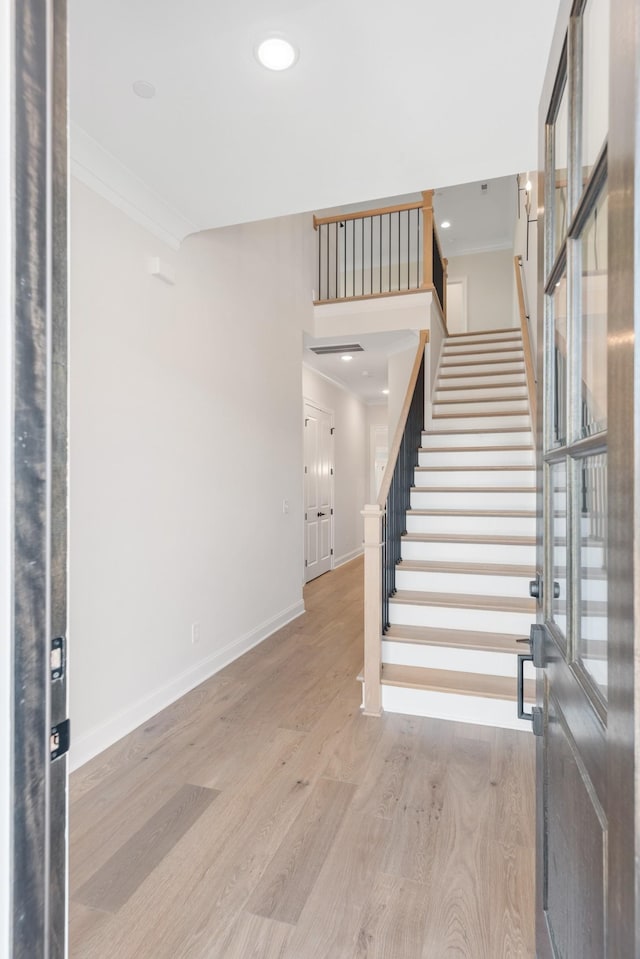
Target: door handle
(320, 514)
(522, 659)
(536, 656)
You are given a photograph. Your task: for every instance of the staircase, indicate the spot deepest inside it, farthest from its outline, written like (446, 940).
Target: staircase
(462, 600)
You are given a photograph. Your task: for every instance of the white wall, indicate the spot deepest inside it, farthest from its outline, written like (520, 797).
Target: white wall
(399, 370)
(350, 452)
(5, 469)
(376, 416)
(185, 439)
(489, 288)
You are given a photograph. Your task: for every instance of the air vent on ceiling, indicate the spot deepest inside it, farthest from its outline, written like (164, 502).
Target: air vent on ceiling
(484, 187)
(338, 348)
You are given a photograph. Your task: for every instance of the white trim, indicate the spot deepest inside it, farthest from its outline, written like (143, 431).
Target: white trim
(341, 560)
(483, 248)
(105, 735)
(103, 173)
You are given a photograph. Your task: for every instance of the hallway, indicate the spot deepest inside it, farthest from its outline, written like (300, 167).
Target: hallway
(263, 817)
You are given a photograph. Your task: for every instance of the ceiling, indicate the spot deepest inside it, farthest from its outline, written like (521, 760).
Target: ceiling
(366, 374)
(384, 100)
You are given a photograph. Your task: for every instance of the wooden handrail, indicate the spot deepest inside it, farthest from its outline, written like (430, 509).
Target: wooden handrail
(399, 433)
(526, 340)
(381, 211)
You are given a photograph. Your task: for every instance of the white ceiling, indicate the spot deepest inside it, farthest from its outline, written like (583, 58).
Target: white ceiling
(480, 219)
(366, 374)
(384, 100)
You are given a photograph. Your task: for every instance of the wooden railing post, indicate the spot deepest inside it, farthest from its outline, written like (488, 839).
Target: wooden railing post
(373, 515)
(427, 238)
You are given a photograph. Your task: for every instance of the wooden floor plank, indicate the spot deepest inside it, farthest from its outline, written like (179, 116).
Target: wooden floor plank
(117, 880)
(271, 733)
(290, 877)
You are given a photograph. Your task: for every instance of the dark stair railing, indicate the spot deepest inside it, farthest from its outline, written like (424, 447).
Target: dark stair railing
(398, 501)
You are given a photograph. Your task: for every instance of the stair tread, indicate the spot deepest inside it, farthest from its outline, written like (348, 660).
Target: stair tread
(452, 681)
(487, 399)
(469, 538)
(461, 638)
(480, 569)
(492, 332)
(459, 376)
(471, 468)
(473, 449)
(471, 429)
(473, 489)
(450, 366)
(507, 513)
(453, 416)
(480, 386)
(506, 604)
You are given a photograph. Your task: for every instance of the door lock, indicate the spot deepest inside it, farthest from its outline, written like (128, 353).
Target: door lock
(320, 514)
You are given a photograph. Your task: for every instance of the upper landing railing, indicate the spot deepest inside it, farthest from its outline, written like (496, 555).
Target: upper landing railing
(383, 252)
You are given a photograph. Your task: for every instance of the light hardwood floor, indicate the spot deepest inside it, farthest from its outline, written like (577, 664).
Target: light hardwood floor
(263, 817)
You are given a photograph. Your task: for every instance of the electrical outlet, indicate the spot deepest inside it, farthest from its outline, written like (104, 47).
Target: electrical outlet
(195, 633)
(285, 505)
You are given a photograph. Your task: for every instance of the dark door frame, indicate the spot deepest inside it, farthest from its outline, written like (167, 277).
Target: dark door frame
(38, 488)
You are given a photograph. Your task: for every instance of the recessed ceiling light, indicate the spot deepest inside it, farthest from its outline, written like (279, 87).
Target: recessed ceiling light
(144, 89)
(445, 224)
(346, 357)
(276, 53)
(386, 392)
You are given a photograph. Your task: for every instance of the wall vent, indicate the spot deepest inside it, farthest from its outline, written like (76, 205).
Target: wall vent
(338, 348)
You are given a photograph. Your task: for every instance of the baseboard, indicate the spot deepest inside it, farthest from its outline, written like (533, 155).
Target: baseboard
(347, 557)
(101, 737)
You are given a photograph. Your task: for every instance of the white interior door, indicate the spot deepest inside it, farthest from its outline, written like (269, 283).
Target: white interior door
(318, 491)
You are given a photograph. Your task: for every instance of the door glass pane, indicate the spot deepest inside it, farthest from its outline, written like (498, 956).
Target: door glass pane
(561, 145)
(594, 320)
(559, 363)
(558, 481)
(595, 83)
(592, 634)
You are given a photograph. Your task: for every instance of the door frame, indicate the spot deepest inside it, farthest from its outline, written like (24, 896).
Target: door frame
(623, 708)
(307, 401)
(37, 477)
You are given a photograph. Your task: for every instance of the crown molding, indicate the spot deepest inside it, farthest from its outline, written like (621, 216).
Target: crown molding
(103, 173)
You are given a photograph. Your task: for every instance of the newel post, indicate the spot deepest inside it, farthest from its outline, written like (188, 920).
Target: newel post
(427, 239)
(373, 515)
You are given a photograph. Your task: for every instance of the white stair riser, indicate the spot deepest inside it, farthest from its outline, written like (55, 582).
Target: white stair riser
(464, 709)
(500, 347)
(560, 526)
(495, 379)
(472, 584)
(475, 458)
(463, 499)
(598, 669)
(485, 356)
(450, 552)
(456, 617)
(483, 406)
(473, 395)
(471, 477)
(486, 663)
(593, 628)
(487, 336)
(460, 368)
(476, 525)
(485, 422)
(452, 440)
(594, 591)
